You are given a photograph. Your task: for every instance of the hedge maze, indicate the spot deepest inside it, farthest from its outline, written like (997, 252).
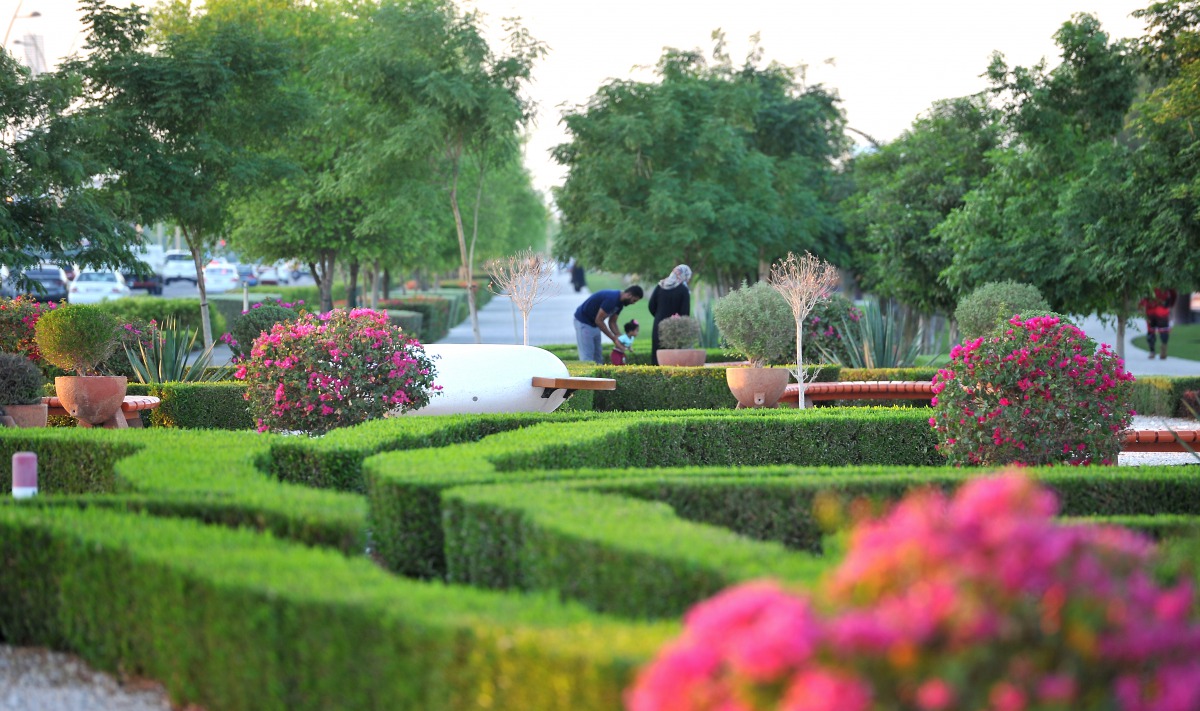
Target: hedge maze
(503, 562)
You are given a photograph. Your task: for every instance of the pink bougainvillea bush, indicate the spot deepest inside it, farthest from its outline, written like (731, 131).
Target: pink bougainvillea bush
(315, 373)
(18, 319)
(983, 602)
(1036, 392)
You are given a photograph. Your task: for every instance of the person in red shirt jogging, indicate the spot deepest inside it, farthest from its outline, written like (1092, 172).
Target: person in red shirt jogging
(1158, 318)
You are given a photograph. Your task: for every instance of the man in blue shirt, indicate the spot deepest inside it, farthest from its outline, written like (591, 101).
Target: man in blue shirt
(598, 315)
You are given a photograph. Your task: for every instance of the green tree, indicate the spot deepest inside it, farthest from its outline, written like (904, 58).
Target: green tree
(51, 209)
(1015, 224)
(441, 106)
(730, 167)
(185, 123)
(906, 189)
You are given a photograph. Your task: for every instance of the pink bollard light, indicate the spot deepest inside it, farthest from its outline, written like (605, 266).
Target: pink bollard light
(24, 481)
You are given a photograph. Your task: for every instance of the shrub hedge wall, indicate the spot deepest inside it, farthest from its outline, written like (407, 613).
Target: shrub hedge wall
(298, 619)
(186, 312)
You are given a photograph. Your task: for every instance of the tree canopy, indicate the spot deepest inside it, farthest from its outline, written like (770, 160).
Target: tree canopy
(727, 167)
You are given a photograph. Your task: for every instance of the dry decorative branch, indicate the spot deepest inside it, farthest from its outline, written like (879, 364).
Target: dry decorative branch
(803, 282)
(526, 278)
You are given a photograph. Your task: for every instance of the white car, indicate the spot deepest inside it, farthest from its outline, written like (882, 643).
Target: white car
(273, 274)
(221, 277)
(91, 287)
(178, 266)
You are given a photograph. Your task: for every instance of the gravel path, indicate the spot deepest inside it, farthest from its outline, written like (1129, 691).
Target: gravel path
(34, 679)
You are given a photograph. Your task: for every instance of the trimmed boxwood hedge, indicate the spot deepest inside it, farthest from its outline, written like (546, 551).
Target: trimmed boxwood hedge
(213, 406)
(232, 619)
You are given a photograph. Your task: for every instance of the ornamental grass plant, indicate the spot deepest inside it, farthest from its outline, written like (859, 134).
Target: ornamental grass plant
(982, 601)
(315, 373)
(1036, 392)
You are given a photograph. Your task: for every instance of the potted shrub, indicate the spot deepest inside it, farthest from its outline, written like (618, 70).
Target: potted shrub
(757, 323)
(79, 338)
(678, 338)
(21, 391)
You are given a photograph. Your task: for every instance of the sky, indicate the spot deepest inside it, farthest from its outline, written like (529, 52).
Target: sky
(890, 59)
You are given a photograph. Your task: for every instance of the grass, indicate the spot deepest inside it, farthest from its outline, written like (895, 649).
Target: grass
(1185, 342)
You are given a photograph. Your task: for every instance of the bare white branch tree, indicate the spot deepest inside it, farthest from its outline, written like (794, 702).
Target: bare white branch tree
(803, 282)
(526, 278)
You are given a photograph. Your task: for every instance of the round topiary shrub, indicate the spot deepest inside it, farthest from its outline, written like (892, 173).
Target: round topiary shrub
(77, 337)
(756, 322)
(345, 367)
(983, 601)
(20, 380)
(994, 303)
(1036, 392)
(253, 323)
(678, 332)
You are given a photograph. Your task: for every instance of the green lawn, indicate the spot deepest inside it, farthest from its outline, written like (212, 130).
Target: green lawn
(639, 311)
(1185, 342)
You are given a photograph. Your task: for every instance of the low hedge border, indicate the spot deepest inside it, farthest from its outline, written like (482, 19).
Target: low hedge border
(271, 625)
(642, 388)
(206, 406)
(211, 476)
(1162, 396)
(404, 488)
(613, 554)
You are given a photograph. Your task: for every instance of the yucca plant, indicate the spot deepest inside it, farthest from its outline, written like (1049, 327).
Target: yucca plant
(877, 339)
(165, 360)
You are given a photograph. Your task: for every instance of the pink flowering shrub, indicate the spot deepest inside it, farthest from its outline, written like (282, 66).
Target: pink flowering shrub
(1036, 392)
(981, 602)
(822, 328)
(18, 319)
(315, 373)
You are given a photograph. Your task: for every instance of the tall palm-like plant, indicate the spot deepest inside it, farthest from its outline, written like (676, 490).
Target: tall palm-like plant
(877, 339)
(165, 360)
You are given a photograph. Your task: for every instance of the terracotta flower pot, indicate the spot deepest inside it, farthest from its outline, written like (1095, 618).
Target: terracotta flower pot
(686, 357)
(27, 415)
(91, 399)
(757, 387)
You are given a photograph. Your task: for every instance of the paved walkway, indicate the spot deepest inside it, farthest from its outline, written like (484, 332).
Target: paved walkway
(1137, 361)
(549, 321)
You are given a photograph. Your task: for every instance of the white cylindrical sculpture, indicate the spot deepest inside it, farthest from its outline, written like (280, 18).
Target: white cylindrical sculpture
(481, 379)
(24, 475)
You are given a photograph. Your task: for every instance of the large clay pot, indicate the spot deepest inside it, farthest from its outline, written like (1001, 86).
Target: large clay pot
(757, 387)
(686, 357)
(27, 415)
(93, 399)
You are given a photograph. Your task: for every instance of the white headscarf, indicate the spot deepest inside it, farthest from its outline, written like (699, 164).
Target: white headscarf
(679, 275)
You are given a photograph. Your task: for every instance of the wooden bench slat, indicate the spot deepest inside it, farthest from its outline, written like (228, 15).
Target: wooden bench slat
(540, 381)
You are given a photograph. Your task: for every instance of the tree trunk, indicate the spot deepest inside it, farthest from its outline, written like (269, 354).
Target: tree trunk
(322, 271)
(465, 269)
(1121, 322)
(387, 284)
(205, 323)
(352, 286)
(376, 283)
(800, 360)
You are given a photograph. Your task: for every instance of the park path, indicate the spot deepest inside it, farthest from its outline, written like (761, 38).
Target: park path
(1137, 361)
(549, 321)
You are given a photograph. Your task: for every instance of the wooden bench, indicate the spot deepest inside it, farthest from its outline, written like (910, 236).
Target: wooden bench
(571, 385)
(858, 390)
(130, 414)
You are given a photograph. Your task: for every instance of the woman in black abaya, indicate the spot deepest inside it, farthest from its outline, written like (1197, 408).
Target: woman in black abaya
(670, 298)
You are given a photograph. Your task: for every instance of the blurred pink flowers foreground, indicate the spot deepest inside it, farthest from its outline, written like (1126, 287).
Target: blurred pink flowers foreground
(979, 602)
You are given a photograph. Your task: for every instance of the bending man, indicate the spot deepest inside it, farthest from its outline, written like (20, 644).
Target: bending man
(598, 315)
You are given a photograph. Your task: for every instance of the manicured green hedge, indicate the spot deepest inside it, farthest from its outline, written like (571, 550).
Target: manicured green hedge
(232, 620)
(404, 487)
(436, 313)
(852, 375)
(205, 406)
(230, 305)
(186, 312)
(408, 321)
(570, 352)
(644, 387)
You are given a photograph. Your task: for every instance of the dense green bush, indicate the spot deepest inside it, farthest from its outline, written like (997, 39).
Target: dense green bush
(679, 332)
(989, 305)
(77, 337)
(20, 380)
(821, 329)
(144, 309)
(757, 322)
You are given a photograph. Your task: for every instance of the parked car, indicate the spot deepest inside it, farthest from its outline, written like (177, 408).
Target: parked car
(178, 266)
(273, 274)
(143, 278)
(221, 277)
(44, 283)
(247, 275)
(92, 287)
